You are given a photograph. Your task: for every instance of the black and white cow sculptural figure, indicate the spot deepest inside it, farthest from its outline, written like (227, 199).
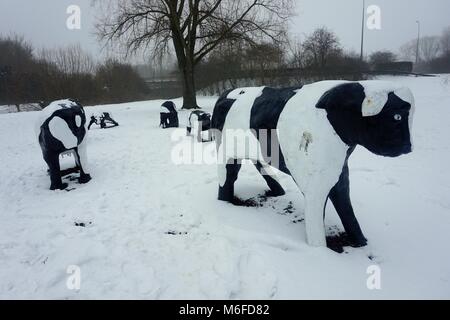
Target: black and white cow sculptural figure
(199, 122)
(309, 133)
(106, 121)
(62, 129)
(169, 115)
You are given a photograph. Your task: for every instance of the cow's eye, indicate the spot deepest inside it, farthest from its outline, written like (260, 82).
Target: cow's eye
(398, 117)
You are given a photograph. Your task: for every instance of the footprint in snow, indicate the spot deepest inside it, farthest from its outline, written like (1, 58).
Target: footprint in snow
(256, 280)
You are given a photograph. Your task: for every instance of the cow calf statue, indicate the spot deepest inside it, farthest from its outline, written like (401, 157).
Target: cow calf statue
(199, 122)
(62, 129)
(169, 115)
(309, 133)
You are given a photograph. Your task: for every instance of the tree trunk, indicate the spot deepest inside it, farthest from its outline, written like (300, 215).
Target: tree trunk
(18, 107)
(189, 92)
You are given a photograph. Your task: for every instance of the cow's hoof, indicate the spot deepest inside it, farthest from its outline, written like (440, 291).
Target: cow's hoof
(84, 179)
(226, 195)
(61, 186)
(358, 243)
(276, 193)
(226, 199)
(338, 242)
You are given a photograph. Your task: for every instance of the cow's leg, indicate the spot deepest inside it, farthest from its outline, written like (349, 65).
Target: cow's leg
(340, 196)
(81, 160)
(52, 160)
(276, 190)
(91, 123)
(176, 121)
(315, 201)
(230, 174)
(198, 131)
(210, 135)
(164, 120)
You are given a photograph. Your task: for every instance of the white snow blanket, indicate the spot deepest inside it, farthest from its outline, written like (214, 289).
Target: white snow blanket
(154, 230)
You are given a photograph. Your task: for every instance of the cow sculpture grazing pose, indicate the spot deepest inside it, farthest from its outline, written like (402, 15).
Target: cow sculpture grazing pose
(61, 129)
(309, 133)
(200, 122)
(169, 115)
(106, 121)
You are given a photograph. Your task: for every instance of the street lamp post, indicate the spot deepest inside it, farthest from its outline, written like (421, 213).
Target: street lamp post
(362, 29)
(418, 43)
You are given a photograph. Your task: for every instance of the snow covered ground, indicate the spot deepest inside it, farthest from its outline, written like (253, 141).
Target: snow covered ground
(24, 107)
(154, 230)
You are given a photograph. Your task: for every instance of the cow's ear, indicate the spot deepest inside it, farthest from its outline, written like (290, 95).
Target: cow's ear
(348, 96)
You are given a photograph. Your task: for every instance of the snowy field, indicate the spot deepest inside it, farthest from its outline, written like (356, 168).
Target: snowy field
(154, 230)
(13, 109)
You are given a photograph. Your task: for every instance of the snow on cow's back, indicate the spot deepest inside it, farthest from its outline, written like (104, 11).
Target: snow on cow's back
(48, 111)
(58, 105)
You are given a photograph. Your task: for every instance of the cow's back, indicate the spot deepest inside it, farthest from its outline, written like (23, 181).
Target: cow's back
(254, 111)
(61, 125)
(257, 108)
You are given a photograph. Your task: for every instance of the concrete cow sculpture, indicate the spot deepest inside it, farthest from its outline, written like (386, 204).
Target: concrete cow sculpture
(309, 133)
(169, 115)
(199, 122)
(62, 129)
(105, 121)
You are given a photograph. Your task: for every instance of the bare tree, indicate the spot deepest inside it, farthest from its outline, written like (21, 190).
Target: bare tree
(193, 28)
(297, 55)
(445, 41)
(408, 50)
(70, 60)
(320, 45)
(16, 64)
(382, 57)
(429, 48)
(119, 82)
(263, 57)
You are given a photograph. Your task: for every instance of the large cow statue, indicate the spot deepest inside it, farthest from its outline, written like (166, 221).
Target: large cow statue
(309, 133)
(62, 129)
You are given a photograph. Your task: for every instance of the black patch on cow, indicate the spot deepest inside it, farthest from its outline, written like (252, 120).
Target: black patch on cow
(221, 110)
(343, 105)
(265, 115)
(383, 134)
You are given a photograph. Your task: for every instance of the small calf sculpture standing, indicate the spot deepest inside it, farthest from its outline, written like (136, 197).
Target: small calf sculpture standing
(200, 122)
(311, 132)
(61, 129)
(169, 115)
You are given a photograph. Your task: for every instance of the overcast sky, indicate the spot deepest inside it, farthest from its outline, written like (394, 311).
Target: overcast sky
(43, 22)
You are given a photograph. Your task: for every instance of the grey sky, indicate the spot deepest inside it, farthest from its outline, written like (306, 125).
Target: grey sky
(43, 22)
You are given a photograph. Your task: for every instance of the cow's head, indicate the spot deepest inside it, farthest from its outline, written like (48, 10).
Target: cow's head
(377, 115)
